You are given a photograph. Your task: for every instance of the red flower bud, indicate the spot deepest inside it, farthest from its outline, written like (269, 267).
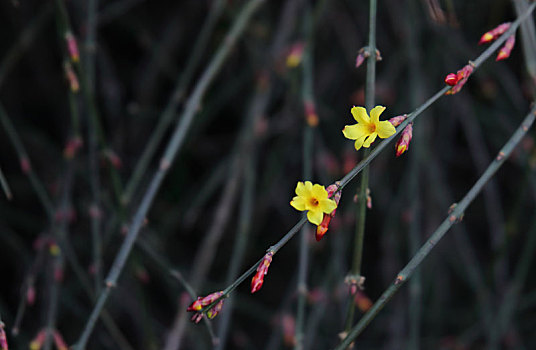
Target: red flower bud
(3, 338)
(30, 295)
(71, 77)
(295, 54)
(402, 144)
(38, 341)
(25, 165)
(362, 301)
(324, 225)
(360, 58)
(310, 113)
(197, 317)
(451, 79)
(201, 302)
(288, 323)
(505, 51)
(215, 310)
(72, 47)
(58, 340)
(72, 147)
(462, 75)
(494, 33)
(262, 269)
(113, 158)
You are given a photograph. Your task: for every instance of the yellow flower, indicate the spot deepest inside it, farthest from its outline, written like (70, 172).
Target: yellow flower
(313, 198)
(367, 129)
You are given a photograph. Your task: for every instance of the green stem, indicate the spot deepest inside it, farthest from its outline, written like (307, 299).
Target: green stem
(174, 145)
(361, 212)
(451, 219)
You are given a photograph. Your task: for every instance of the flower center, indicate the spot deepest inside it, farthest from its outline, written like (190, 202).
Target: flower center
(314, 202)
(372, 127)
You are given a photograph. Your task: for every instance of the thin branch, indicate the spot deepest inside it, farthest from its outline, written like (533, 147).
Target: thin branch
(93, 156)
(361, 212)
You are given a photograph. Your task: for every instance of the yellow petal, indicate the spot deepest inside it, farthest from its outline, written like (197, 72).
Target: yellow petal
(356, 131)
(385, 129)
(315, 216)
(308, 187)
(319, 192)
(327, 205)
(298, 203)
(360, 115)
(370, 140)
(300, 189)
(375, 114)
(359, 142)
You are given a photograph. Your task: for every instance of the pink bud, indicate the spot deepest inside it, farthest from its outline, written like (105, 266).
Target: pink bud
(262, 270)
(494, 33)
(58, 273)
(215, 310)
(288, 323)
(396, 121)
(359, 59)
(38, 341)
(295, 54)
(505, 51)
(462, 75)
(95, 212)
(201, 302)
(451, 79)
(30, 295)
(58, 340)
(72, 47)
(402, 144)
(3, 338)
(324, 225)
(113, 158)
(197, 317)
(25, 165)
(310, 113)
(71, 77)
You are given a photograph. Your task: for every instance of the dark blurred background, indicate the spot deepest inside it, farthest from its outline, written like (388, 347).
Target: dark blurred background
(142, 52)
